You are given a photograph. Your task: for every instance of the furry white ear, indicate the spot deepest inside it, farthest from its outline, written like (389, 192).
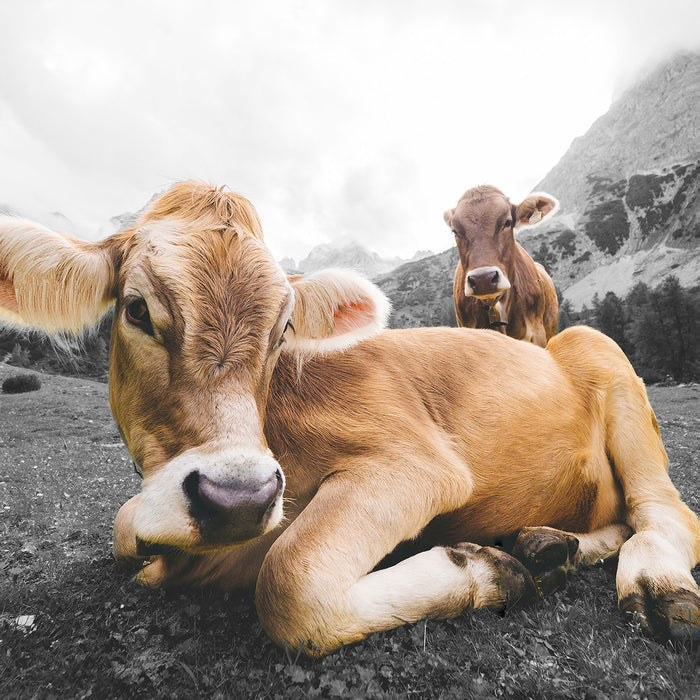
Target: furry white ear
(50, 281)
(334, 310)
(534, 208)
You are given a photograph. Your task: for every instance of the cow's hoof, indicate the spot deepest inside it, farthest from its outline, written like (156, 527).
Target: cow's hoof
(667, 615)
(548, 554)
(514, 582)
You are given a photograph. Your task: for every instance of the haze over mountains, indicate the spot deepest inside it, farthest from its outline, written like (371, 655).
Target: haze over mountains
(629, 192)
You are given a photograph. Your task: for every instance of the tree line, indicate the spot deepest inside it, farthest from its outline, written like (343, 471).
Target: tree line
(86, 356)
(658, 329)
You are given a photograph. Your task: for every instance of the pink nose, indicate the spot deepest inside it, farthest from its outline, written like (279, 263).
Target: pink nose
(231, 510)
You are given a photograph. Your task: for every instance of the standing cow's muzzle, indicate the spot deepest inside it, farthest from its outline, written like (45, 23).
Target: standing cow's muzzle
(486, 282)
(205, 500)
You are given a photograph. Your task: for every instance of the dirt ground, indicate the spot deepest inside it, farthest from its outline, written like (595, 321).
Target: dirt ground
(72, 625)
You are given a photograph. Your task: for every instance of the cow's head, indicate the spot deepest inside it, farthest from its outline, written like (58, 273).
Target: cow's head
(484, 223)
(201, 314)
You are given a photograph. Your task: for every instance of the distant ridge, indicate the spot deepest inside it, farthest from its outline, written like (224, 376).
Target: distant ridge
(350, 255)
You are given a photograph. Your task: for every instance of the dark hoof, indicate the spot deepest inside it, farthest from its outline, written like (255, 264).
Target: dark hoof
(669, 615)
(515, 585)
(548, 555)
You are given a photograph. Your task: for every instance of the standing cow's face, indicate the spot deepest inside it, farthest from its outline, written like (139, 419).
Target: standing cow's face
(201, 314)
(483, 224)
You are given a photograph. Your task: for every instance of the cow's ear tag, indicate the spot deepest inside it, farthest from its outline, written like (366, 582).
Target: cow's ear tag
(536, 216)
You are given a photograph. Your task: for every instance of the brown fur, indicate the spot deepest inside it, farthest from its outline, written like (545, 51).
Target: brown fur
(431, 436)
(530, 304)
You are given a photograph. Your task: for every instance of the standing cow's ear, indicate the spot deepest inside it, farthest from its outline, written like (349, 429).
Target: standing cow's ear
(534, 208)
(333, 310)
(448, 217)
(50, 281)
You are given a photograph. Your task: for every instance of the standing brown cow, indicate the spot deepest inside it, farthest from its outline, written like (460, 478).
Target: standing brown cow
(497, 284)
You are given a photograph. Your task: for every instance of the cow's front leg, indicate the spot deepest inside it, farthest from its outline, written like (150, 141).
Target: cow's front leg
(317, 590)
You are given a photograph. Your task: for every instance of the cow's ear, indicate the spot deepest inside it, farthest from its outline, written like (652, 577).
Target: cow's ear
(447, 215)
(534, 208)
(50, 281)
(333, 310)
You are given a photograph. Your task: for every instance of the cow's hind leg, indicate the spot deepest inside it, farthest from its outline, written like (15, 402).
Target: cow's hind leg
(550, 554)
(654, 579)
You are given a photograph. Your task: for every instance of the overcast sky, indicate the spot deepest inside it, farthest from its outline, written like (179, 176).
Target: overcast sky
(357, 120)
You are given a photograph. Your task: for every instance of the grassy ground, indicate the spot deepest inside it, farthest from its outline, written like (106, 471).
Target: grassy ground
(72, 625)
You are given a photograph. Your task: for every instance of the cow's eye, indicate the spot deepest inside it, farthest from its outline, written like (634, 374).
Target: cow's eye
(287, 326)
(507, 224)
(137, 315)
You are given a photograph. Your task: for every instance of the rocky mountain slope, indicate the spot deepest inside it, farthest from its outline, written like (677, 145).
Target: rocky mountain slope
(421, 291)
(629, 193)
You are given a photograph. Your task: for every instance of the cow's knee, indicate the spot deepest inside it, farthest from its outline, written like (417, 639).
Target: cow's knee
(295, 611)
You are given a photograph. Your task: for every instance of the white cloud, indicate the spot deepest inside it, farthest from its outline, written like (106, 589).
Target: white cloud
(363, 120)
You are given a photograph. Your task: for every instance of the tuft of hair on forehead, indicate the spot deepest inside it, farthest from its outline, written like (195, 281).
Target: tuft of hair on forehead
(481, 193)
(217, 208)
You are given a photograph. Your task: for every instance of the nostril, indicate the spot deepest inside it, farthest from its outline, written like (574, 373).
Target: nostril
(190, 486)
(494, 278)
(279, 488)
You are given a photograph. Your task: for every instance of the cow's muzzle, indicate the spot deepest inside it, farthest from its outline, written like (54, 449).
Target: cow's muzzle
(231, 509)
(208, 499)
(486, 282)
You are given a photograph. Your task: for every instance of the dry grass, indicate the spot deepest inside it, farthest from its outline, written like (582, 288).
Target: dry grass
(94, 633)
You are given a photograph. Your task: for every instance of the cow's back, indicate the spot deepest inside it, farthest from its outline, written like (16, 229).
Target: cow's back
(507, 410)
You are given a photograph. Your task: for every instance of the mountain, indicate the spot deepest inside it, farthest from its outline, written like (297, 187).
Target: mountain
(421, 291)
(629, 193)
(352, 256)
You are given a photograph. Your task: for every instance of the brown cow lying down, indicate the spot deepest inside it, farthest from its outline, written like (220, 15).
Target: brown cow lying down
(233, 384)
(497, 284)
